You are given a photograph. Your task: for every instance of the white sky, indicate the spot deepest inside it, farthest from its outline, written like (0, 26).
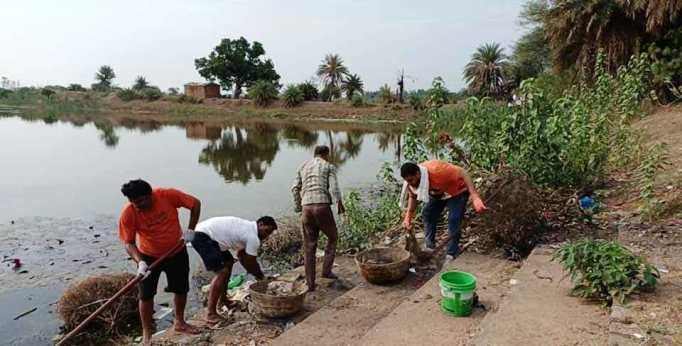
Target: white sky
(62, 42)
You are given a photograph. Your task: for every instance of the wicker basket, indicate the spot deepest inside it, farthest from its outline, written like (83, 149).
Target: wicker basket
(383, 265)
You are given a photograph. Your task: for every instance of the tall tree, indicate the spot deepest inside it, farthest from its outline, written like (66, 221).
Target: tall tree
(104, 77)
(140, 83)
(484, 73)
(332, 70)
(530, 57)
(352, 84)
(577, 29)
(237, 64)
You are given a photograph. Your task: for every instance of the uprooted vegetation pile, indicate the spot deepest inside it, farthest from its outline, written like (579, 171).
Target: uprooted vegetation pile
(513, 221)
(520, 215)
(83, 298)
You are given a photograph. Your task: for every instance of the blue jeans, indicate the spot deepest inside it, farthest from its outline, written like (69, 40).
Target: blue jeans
(431, 215)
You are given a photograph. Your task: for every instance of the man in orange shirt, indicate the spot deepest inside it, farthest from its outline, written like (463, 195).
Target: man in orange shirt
(439, 184)
(149, 227)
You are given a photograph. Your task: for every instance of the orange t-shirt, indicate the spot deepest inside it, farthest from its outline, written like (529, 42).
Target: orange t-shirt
(445, 177)
(156, 230)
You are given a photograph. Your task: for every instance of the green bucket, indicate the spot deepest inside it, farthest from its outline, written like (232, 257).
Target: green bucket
(457, 289)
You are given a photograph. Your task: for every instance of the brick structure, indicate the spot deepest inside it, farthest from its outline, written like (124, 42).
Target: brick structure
(202, 90)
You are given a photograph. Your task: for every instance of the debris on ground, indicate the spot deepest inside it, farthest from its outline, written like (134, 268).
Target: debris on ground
(82, 299)
(25, 313)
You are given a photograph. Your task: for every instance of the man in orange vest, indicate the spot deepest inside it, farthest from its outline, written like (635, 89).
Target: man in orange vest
(439, 184)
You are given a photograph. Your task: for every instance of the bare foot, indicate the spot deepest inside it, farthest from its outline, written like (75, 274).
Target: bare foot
(146, 342)
(330, 276)
(213, 319)
(186, 328)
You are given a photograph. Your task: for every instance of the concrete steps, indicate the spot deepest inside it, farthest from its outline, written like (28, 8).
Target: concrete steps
(540, 311)
(347, 318)
(419, 320)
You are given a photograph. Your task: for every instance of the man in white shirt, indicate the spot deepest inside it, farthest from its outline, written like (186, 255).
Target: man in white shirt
(216, 238)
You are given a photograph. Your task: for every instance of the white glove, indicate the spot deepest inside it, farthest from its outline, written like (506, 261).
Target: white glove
(143, 269)
(188, 235)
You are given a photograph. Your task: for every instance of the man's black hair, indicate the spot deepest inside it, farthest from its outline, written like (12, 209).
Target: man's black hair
(268, 221)
(408, 169)
(321, 150)
(136, 188)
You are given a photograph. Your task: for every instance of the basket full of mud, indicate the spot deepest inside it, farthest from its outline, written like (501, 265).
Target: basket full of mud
(277, 299)
(383, 265)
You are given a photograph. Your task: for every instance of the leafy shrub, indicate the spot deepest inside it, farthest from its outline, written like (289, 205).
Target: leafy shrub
(263, 93)
(47, 92)
(605, 270)
(75, 87)
(438, 95)
(293, 96)
(127, 95)
(4, 93)
(329, 93)
(654, 161)
(416, 102)
(385, 94)
(566, 141)
(358, 101)
(151, 93)
(188, 99)
(309, 90)
(173, 91)
(363, 222)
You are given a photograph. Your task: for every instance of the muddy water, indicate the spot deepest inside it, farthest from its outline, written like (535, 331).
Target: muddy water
(60, 185)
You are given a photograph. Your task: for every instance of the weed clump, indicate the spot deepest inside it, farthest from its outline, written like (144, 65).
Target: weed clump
(83, 298)
(605, 270)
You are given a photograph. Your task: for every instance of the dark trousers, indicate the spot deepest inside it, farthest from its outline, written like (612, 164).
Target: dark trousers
(431, 215)
(316, 218)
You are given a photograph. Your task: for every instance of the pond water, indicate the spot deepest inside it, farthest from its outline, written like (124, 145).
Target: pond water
(60, 182)
(76, 169)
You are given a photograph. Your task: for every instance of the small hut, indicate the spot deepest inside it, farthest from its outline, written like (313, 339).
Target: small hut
(202, 90)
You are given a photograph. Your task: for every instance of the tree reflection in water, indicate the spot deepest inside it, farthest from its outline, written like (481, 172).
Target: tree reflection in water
(245, 153)
(242, 154)
(108, 135)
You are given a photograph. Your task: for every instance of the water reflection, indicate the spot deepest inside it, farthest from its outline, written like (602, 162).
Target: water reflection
(242, 154)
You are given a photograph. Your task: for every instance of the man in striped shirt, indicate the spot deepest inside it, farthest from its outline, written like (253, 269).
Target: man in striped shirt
(315, 189)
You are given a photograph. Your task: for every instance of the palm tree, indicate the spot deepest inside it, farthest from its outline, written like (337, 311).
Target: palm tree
(578, 29)
(484, 72)
(332, 70)
(351, 84)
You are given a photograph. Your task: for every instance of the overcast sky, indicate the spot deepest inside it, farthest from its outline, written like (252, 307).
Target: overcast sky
(61, 42)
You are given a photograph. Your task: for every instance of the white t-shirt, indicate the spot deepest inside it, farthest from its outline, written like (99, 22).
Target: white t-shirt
(232, 233)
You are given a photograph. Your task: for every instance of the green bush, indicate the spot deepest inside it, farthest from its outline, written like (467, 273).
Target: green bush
(47, 92)
(309, 90)
(4, 93)
(416, 102)
(364, 223)
(566, 141)
(185, 99)
(605, 270)
(438, 95)
(293, 96)
(329, 93)
(151, 93)
(358, 101)
(385, 94)
(127, 95)
(263, 93)
(75, 87)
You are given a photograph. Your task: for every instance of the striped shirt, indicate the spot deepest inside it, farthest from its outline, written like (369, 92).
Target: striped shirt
(315, 183)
